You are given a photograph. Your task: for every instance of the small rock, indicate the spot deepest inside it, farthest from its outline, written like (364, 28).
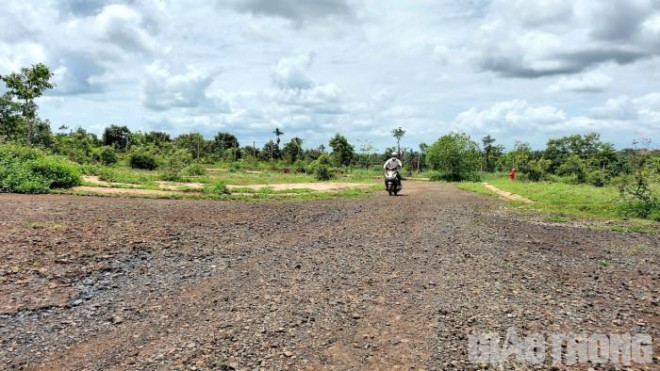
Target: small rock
(288, 353)
(116, 320)
(356, 315)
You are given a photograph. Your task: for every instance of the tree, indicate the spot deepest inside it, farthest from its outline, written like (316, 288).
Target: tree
(583, 146)
(224, 141)
(491, 153)
(25, 87)
(398, 133)
(456, 155)
(12, 124)
(278, 133)
(118, 137)
(293, 150)
(520, 156)
(157, 138)
(193, 142)
(342, 151)
(271, 151)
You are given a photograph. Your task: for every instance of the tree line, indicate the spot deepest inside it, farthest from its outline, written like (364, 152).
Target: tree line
(453, 157)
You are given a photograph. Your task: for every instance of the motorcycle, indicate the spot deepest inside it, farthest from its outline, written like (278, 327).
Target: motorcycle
(392, 183)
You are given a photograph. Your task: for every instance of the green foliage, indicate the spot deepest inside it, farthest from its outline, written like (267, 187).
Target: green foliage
(270, 151)
(27, 170)
(322, 172)
(218, 187)
(639, 198)
(597, 178)
(342, 151)
(58, 172)
(455, 155)
(574, 166)
(126, 176)
(118, 137)
(195, 170)
(12, 124)
(293, 150)
(22, 90)
(142, 160)
(491, 153)
(106, 155)
(225, 146)
(157, 138)
(537, 170)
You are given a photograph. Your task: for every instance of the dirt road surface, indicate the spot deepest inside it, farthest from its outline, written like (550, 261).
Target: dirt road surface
(379, 283)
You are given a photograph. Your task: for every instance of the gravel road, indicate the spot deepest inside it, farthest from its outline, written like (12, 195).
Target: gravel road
(377, 283)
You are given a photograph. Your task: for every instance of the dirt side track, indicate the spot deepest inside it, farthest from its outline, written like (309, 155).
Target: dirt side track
(380, 283)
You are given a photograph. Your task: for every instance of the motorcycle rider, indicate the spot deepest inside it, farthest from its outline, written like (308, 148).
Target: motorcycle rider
(394, 164)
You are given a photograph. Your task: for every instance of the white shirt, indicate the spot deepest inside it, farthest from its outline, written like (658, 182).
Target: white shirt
(393, 164)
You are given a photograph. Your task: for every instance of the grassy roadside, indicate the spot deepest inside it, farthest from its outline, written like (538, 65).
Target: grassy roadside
(567, 202)
(254, 196)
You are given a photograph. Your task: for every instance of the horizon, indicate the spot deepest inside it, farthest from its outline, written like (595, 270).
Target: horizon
(515, 70)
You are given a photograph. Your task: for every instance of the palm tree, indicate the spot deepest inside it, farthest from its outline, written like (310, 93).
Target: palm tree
(278, 133)
(398, 133)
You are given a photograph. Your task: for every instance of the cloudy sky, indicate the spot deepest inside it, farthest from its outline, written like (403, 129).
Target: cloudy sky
(515, 69)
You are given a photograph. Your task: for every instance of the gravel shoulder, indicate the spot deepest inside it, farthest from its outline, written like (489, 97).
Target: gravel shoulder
(376, 283)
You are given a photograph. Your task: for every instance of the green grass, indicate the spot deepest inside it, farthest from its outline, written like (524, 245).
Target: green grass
(242, 177)
(127, 175)
(251, 197)
(565, 202)
(580, 200)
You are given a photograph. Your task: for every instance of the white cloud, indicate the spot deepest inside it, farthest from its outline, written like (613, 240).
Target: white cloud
(531, 39)
(516, 115)
(292, 73)
(587, 83)
(375, 65)
(163, 91)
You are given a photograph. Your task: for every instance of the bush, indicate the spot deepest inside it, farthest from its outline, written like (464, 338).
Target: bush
(597, 178)
(170, 175)
(106, 155)
(450, 177)
(142, 161)
(537, 170)
(322, 172)
(218, 187)
(59, 173)
(28, 170)
(299, 166)
(195, 170)
(640, 209)
(456, 155)
(639, 199)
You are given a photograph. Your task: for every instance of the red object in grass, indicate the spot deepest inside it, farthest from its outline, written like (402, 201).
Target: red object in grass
(512, 174)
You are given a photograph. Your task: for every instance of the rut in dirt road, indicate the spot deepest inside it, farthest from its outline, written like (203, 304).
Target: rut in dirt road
(378, 283)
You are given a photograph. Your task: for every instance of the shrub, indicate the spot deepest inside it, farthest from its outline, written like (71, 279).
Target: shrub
(450, 177)
(142, 161)
(27, 170)
(597, 178)
(322, 172)
(106, 155)
(576, 167)
(639, 199)
(456, 155)
(59, 173)
(537, 170)
(170, 175)
(195, 170)
(299, 166)
(218, 187)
